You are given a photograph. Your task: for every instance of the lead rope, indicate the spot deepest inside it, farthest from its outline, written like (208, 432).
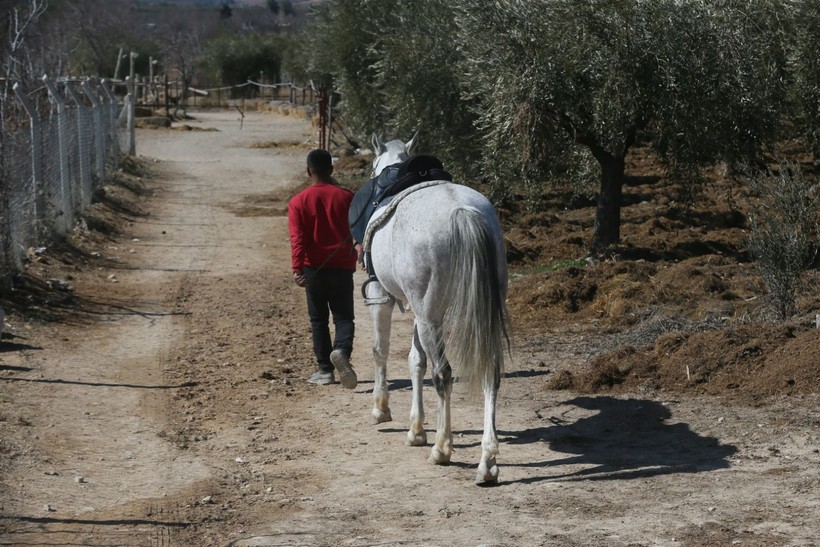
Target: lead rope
(331, 255)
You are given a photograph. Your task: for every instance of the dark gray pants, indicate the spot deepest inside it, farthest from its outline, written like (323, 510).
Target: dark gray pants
(330, 292)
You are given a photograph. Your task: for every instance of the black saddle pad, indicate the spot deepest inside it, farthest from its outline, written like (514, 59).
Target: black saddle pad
(392, 180)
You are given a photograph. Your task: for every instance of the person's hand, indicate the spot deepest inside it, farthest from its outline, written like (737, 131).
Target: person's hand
(300, 279)
(360, 259)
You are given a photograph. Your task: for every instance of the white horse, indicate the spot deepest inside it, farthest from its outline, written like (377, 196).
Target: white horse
(442, 251)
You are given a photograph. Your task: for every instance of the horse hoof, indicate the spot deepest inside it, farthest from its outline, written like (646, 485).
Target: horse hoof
(485, 476)
(416, 440)
(379, 417)
(437, 457)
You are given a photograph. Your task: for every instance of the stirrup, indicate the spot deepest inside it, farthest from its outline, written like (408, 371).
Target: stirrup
(386, 299)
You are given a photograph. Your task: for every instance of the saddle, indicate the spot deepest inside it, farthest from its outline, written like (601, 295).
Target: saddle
(392, 180)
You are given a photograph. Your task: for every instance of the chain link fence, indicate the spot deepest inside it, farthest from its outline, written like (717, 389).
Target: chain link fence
(59, 144)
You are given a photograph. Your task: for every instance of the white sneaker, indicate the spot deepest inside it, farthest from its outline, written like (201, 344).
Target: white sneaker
(322, 378)
(346, 373)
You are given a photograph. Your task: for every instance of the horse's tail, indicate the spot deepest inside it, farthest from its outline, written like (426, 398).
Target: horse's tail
(476, 315)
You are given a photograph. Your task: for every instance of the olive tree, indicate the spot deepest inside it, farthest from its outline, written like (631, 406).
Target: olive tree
(234, 59)
(422, 85)
(806, 76)
(397, 66)
(344, 46)
(700, 80)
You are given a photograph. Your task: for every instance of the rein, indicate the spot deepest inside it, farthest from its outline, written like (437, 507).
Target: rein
(331, 255)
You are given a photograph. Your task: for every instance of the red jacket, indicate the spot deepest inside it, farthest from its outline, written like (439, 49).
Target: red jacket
(319, 232)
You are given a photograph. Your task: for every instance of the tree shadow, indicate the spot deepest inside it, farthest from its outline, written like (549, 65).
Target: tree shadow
(13, 368)
(7, 347)
(400, 384)
(404, 383)
(95, 522)
(98, 384)
(625, 439)
(526, 373)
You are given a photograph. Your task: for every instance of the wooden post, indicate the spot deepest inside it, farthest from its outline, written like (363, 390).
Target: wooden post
(167, 99)
(329, 119)
(119, 63)
(323, 125)
(132, 56)
(151, 81)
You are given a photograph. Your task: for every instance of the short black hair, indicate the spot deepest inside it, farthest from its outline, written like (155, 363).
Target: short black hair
(320, 162)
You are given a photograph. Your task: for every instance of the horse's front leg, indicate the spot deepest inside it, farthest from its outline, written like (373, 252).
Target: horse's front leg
(382, 314)
(487, 467)
(417, 366)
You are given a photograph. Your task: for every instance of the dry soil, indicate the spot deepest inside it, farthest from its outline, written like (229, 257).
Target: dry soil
(160, 397)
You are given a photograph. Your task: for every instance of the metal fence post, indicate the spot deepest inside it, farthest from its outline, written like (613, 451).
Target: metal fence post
(99, 140)
(66, 202)
(131, 105)
(47, 174)
(113, 119)
(36, 157)
(83, 145)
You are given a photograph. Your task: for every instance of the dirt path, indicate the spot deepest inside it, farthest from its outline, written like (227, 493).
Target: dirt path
(179, 415)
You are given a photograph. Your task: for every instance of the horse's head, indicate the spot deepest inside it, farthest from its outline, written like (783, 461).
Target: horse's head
(390, 152)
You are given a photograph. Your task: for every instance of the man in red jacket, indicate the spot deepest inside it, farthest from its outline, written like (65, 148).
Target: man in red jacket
(323, 258)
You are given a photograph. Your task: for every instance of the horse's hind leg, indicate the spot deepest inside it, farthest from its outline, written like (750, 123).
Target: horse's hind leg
(417, 366)
(382, 315)
(443, 447)
(487, 468)
(431, 341)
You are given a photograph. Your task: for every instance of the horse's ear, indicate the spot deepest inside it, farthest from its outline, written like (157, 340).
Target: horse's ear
(408, 147)
(378, 146)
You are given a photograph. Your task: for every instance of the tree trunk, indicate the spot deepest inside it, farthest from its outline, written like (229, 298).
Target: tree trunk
(608, 212)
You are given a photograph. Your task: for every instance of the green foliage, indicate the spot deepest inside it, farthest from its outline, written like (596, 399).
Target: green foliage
(422, 89)
(701, 81)
(697, 78)
(528, 91)
(395, 67)
(784, 234)
(806, 72)
(345, 45)
(285, 7)
(304, 62)
(225, 11)
(234, 59)
(722, 81)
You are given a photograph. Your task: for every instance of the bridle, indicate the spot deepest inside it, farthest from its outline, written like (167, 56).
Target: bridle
(401, 157)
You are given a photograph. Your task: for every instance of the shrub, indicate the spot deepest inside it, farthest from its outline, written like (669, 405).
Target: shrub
(784, 230)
